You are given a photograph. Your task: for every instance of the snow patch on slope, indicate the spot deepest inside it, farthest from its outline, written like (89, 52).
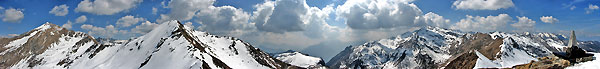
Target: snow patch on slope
(484, 62)
(44, 26)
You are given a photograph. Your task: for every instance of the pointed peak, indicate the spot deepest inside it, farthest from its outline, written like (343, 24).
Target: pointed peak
(172, 23)
(46, 25)
(168, 24)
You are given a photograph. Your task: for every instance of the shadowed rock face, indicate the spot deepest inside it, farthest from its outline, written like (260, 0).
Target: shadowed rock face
(35, 42)
(481, 42)
(465, 59)
(574, 55)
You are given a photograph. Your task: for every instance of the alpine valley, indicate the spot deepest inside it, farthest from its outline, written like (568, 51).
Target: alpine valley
(172, 45)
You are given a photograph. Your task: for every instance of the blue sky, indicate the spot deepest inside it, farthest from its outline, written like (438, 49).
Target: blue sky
(322, 25)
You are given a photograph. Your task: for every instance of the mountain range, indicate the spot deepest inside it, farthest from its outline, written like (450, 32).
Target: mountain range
(172, 45)
(434, 47)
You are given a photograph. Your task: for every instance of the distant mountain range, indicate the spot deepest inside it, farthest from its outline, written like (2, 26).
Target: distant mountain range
(434, 47)
(172, 45)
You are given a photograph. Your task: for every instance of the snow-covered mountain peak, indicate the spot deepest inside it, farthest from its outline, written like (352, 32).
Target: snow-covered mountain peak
(552, 35)
(300, 59)
(48, 25)
(434, 32)
(422, 48)
(168, 26)
(45, 26)
(434, 35)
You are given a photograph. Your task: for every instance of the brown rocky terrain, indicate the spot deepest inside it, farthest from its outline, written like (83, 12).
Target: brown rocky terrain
(549, 62)
(465, 58)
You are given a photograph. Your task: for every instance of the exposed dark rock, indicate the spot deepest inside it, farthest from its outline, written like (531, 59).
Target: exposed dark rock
(465, 60)
(549, 62)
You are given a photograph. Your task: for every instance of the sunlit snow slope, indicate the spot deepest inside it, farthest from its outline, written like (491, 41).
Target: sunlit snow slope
(300, 59)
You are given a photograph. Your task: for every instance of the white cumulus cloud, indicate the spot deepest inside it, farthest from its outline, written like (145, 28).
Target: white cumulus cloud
(144, 28)
(432, 19)
(109, 31)
(128, 20)
(81, 19)
(13, 15)
(482, 4)
(478, 23)
(375, 14)
(222, 19)
(281, 16)
(189, 24)
(591, 8)
(106, 7)
(548, 19)
(68, 25)
(184, 10)
(60, 10)
(524, 24)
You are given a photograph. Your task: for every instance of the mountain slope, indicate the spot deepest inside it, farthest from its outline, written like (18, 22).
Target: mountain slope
(170, 45)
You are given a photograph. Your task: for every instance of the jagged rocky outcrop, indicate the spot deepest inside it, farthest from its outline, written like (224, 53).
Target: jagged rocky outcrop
(171, 45)
(434, 47)
(300, 59)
